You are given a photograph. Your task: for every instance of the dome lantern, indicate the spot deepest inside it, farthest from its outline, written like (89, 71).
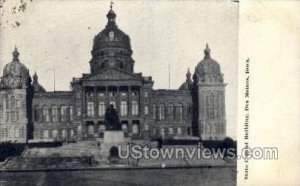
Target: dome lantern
(207, 51)
(16, 55)
(111, 16)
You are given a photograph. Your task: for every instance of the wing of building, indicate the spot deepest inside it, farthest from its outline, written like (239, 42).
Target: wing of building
(28, 111)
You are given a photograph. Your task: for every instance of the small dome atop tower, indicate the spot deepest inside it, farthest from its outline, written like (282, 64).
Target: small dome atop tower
(36, 86)
(15, 74)
(207, 66)
(188, 82)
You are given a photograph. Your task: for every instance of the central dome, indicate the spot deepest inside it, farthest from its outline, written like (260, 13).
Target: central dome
(111, 48)
(111, 36)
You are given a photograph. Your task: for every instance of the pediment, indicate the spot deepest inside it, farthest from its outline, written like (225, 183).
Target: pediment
(113, 74)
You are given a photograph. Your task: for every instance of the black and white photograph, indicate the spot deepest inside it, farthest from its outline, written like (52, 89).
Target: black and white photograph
(123, 93)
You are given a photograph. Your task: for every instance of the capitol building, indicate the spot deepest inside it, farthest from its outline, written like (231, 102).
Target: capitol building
(29, 112)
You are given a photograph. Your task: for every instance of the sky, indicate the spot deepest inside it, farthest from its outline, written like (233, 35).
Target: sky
(60, 34)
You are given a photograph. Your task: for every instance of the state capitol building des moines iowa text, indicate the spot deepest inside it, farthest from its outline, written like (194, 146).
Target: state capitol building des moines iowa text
(28, 111)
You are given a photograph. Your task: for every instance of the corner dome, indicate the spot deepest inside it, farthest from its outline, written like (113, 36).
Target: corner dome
(15, 74)
(35, 84)
(187, 85)
(207, 65)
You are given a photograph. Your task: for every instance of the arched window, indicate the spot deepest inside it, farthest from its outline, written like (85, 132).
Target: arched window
(54, 113)
(13, 102)
(124, 108)
(63, 113)
(71, 113)
(7, 103)
(180, 111)
(90, 109)
(171, 111)
(154, 112)
(111, 35)
(101, 108)
(46, 116)
(135, 108)
(161, 111)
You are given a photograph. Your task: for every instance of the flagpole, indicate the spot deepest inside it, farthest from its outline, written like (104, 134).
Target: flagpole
(169, 76)
(53, 77)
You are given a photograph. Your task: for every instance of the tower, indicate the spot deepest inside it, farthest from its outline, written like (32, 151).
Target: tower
(211, 98)
(15, 102)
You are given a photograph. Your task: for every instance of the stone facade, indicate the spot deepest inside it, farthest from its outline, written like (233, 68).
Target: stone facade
(197, 108)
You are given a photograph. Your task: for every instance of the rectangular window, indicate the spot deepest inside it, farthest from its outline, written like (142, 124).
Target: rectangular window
(46, 114)
(1, 109)
(54, 113)
(8, 103)
(146, 110)
(135, 108)
(171, 111)
(171, 131)
(179, 132)
(78, 95)
(78, 111)
(41, 134)
(162, 132)
(18, 103)
(154, 112)
(112, 94)
(101, 109)
(71, 113)
(5, 132)
(146, 94)
(146, 127)
(63, 113)
(13, 116)
(90, 109)
(124, 108)
(7, 116)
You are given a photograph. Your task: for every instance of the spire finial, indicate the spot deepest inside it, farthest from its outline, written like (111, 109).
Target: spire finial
(207, 51)
(16, 54)
(111, 5)
(35, 77)
(111, 16)
(188, 74)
